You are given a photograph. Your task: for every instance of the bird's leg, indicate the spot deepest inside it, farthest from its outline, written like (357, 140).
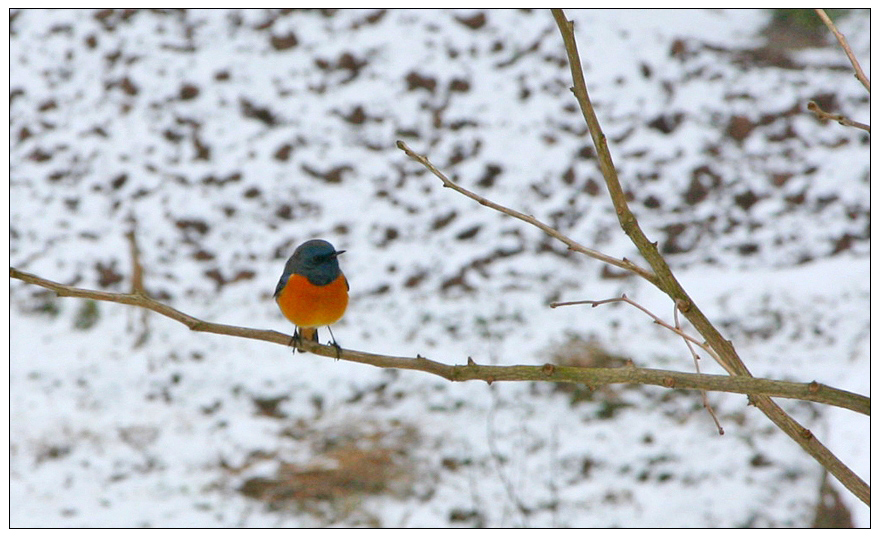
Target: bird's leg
(295, 339)
(333, 342)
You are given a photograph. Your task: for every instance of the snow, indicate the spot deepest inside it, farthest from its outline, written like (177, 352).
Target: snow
(229, 150)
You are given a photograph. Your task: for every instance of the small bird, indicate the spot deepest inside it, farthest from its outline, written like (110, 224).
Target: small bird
(312, 291)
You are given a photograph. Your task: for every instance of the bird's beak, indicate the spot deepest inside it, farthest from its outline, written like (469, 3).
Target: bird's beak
(339, 253)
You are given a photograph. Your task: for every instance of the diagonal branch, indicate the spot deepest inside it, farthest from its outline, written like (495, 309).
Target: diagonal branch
(799, 433)
(666, 282)
(624, 263)
(843, 43)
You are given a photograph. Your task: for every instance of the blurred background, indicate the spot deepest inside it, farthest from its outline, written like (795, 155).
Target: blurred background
(225, 138)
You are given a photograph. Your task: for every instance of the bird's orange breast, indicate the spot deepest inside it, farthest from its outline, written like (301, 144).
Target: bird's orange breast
(307, 305)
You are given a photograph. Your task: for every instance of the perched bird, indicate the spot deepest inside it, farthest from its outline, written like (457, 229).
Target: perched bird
(312, 291)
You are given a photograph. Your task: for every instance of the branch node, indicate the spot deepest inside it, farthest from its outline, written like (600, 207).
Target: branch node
(683, 305)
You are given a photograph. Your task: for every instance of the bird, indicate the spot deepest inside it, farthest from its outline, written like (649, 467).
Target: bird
(312, 291)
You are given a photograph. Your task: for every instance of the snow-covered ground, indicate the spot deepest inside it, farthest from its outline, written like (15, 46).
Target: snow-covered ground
(229, 137)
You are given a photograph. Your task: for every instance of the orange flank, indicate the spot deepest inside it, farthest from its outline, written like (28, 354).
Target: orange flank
(309, 306)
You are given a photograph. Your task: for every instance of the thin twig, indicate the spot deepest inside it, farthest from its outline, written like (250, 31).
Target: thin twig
(624, 263)
(137, 280)
(137, 269)
(689, 340)
(840, 118)
(657, 320)
(846, 48)
(690, 347)
(498, 459)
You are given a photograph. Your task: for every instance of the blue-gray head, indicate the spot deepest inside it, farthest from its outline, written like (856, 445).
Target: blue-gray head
(314, 259)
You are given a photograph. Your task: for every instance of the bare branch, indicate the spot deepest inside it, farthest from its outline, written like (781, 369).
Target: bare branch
(137, 270)
(657, 320)
(572, 245)
(843, 43)
(137, 280)
(688, 340)
(690, 347)
(726, 353)
(593, 377)
(840, 118)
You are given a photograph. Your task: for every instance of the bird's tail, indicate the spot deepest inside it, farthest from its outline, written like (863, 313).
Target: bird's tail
(309, 333)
